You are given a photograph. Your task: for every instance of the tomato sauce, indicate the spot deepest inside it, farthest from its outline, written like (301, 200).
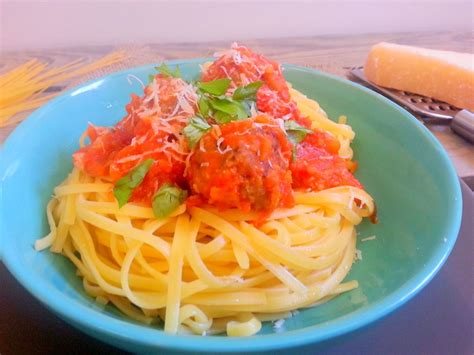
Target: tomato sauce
(317, 165)
(243, 67)
(114, 152)
(95, 158)
(246, 164)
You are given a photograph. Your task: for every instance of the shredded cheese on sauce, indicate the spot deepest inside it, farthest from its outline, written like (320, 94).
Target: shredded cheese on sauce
(131, 76)
(278, 324)
(166, 126)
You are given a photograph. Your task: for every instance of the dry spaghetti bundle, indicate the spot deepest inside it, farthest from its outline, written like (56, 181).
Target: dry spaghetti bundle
(23, 88)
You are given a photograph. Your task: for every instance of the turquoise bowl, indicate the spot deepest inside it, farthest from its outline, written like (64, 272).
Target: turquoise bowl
(401, 164)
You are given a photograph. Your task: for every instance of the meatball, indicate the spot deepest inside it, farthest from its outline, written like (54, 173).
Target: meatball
(243, 165)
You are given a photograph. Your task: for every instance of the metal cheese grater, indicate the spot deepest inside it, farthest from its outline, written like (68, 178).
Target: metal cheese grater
(428, 109)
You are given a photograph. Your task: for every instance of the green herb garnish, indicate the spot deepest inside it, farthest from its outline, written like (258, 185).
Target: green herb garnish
(166, 71)
(195, 129)
(167, 199)
(216, 87)
(203, 104)
(124, 187)
(247, 92)
(214, 104)
(296, 134)
(226, 109)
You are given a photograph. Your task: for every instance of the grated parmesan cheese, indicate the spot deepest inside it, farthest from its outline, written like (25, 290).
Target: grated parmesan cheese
(247, 131)
(201, 146)
(281, 124)
(226, 72)
(237, 58)
(174, 145)
(373, 237)
(219, 148)
(187, 163)
(278, 324)
(131, 76)
(217, 130)
(287, 116)
(253, 110)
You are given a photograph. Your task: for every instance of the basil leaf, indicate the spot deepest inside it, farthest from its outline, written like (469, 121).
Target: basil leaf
(166, 71)
(124, 187)
(248, 91)
(247, 104)
(296, 133)
(224, 105)
(215, 87)
(167, 199)
(222, 118)
(203, 104)
(230, 110)
(195, 129)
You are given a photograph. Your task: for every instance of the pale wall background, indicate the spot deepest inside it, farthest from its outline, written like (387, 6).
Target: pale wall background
(49, 24)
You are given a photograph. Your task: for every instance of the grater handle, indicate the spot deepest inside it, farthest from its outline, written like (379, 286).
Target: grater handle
(463, 124)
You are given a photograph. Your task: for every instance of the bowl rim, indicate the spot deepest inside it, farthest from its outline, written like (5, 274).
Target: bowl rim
(99, 324)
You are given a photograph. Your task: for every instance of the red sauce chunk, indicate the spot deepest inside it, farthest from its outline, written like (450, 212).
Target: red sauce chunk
(317, 165)
(245, 167)
(113, 152)
(152, 129)
(271, 103)
(243, 67)
(96, 157)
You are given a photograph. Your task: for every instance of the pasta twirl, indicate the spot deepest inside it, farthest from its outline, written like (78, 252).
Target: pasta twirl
(271, 283)
(213, 206)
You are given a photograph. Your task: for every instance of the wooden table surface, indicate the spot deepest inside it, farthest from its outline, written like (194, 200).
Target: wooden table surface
(333, 54)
